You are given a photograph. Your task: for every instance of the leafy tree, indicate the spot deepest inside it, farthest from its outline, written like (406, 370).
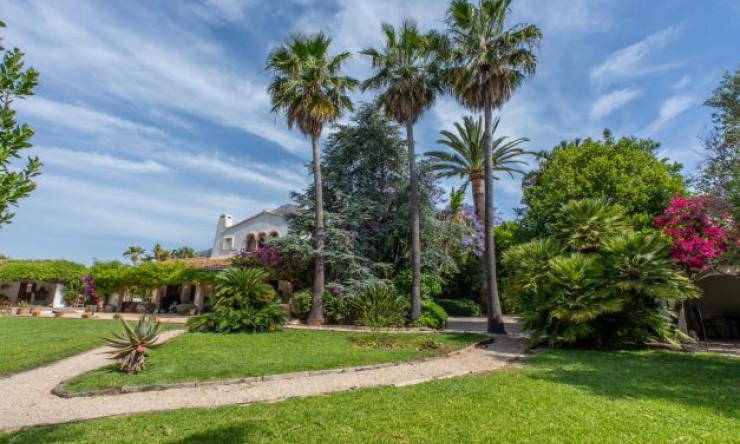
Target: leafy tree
(611, 292)
(466, 159)
(487, 63)
(308, 87)
(719, 174)
(134, 253)
(626, 173)
(15, 83)
(407, 72)
(366, 195)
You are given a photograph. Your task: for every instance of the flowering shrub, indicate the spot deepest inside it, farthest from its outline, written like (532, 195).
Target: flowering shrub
(702, 231)
(90, 288)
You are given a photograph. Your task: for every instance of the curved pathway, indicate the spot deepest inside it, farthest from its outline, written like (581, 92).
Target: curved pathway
(26, 399)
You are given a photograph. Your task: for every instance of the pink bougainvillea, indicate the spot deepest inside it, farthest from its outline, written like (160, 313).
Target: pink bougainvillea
(702, 230)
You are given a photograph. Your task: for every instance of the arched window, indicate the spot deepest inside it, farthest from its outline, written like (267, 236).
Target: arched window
(261, 239)
(250, 243)
(274, 234)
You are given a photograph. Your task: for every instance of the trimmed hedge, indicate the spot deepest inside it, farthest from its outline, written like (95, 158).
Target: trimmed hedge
(432, 316)
(460, 307)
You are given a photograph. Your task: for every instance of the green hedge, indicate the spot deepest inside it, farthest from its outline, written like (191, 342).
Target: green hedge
(460, 307)
(432, 316)
(41, 270)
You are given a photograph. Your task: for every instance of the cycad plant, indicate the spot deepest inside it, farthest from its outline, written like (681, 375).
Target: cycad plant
(406, 71)
(487, 63)
(582, 225)
(132, 345)
(243, 302)
(597, 282)
(308, 87)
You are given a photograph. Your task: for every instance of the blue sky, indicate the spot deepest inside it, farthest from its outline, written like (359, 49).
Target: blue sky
(152, 117)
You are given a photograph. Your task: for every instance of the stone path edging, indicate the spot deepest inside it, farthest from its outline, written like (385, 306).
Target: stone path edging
(60, 391)
(26, 399)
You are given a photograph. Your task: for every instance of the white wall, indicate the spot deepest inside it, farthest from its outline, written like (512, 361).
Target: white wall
(261, 223)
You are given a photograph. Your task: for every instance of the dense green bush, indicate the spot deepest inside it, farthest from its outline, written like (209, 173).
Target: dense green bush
(300, 306)
(459, 307)
(432, 316)
(379, 305)
(431, 284)
(594, 285)
(242, 302)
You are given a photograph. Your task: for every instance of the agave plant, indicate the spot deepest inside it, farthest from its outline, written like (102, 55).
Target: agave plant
(131, 346)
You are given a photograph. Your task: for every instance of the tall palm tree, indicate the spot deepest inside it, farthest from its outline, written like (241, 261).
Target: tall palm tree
(407, 72)
(160, 253)
(308, 88)
(487, 63)
(466, 159)
(183, 253)
(134, 253)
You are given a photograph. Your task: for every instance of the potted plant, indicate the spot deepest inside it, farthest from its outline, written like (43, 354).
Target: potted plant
(36, 310)
(24, 309)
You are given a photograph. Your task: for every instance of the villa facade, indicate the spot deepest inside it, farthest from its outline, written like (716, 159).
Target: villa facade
(250, 233)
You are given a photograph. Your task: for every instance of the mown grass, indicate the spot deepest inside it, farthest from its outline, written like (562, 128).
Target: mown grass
(28, 342)
(560, 397)
(211, 356)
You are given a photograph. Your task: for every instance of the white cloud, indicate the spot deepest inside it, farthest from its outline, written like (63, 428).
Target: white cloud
(607, 103)
(97, 163)
(627, 62)
(80, 118)
(681, 83)
(156, 64)
(670, 109)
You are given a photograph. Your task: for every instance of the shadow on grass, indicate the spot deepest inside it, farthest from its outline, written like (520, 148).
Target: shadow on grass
(701, 380)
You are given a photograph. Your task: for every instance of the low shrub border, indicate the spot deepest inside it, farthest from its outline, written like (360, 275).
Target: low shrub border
(460, 307)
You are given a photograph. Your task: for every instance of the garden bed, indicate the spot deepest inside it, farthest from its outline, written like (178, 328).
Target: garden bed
(201, 357)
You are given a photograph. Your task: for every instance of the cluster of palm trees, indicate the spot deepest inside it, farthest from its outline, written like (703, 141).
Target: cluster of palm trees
(476, 59)
(137, 254)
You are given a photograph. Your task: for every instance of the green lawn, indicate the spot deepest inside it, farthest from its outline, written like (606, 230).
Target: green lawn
(561, 397)
(211, 356)
(29, 342)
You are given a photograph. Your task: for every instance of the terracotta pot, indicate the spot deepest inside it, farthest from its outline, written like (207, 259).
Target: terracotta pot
(24, 311)
(58, 314)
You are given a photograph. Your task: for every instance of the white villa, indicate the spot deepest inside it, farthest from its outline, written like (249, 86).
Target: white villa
(248, 234)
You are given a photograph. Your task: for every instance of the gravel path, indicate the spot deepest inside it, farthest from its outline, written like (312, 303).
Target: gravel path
(26, 399)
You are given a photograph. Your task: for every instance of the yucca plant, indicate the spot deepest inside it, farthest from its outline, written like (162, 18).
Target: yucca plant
(131, 346)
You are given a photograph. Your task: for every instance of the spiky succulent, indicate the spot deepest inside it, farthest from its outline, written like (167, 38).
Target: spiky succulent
(131, 346)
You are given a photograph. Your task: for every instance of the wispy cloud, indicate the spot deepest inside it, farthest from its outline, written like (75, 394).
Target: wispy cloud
(607, 103)
(168, 67)
(682, 83)
(92, 162)
(628, 62)
(670, 109)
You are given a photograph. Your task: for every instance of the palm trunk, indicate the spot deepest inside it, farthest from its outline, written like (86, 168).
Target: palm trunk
(316, 317)
(495, 317)
(415, 237)
(479, 200)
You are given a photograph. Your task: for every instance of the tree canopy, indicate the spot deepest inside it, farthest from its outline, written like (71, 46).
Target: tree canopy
(626, 172)
(16, 181)
(719, 173)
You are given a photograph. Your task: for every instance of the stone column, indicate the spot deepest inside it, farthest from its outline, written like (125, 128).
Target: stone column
(198, 297)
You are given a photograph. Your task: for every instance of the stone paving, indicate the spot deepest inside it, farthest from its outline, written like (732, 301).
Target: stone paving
(26, 398)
